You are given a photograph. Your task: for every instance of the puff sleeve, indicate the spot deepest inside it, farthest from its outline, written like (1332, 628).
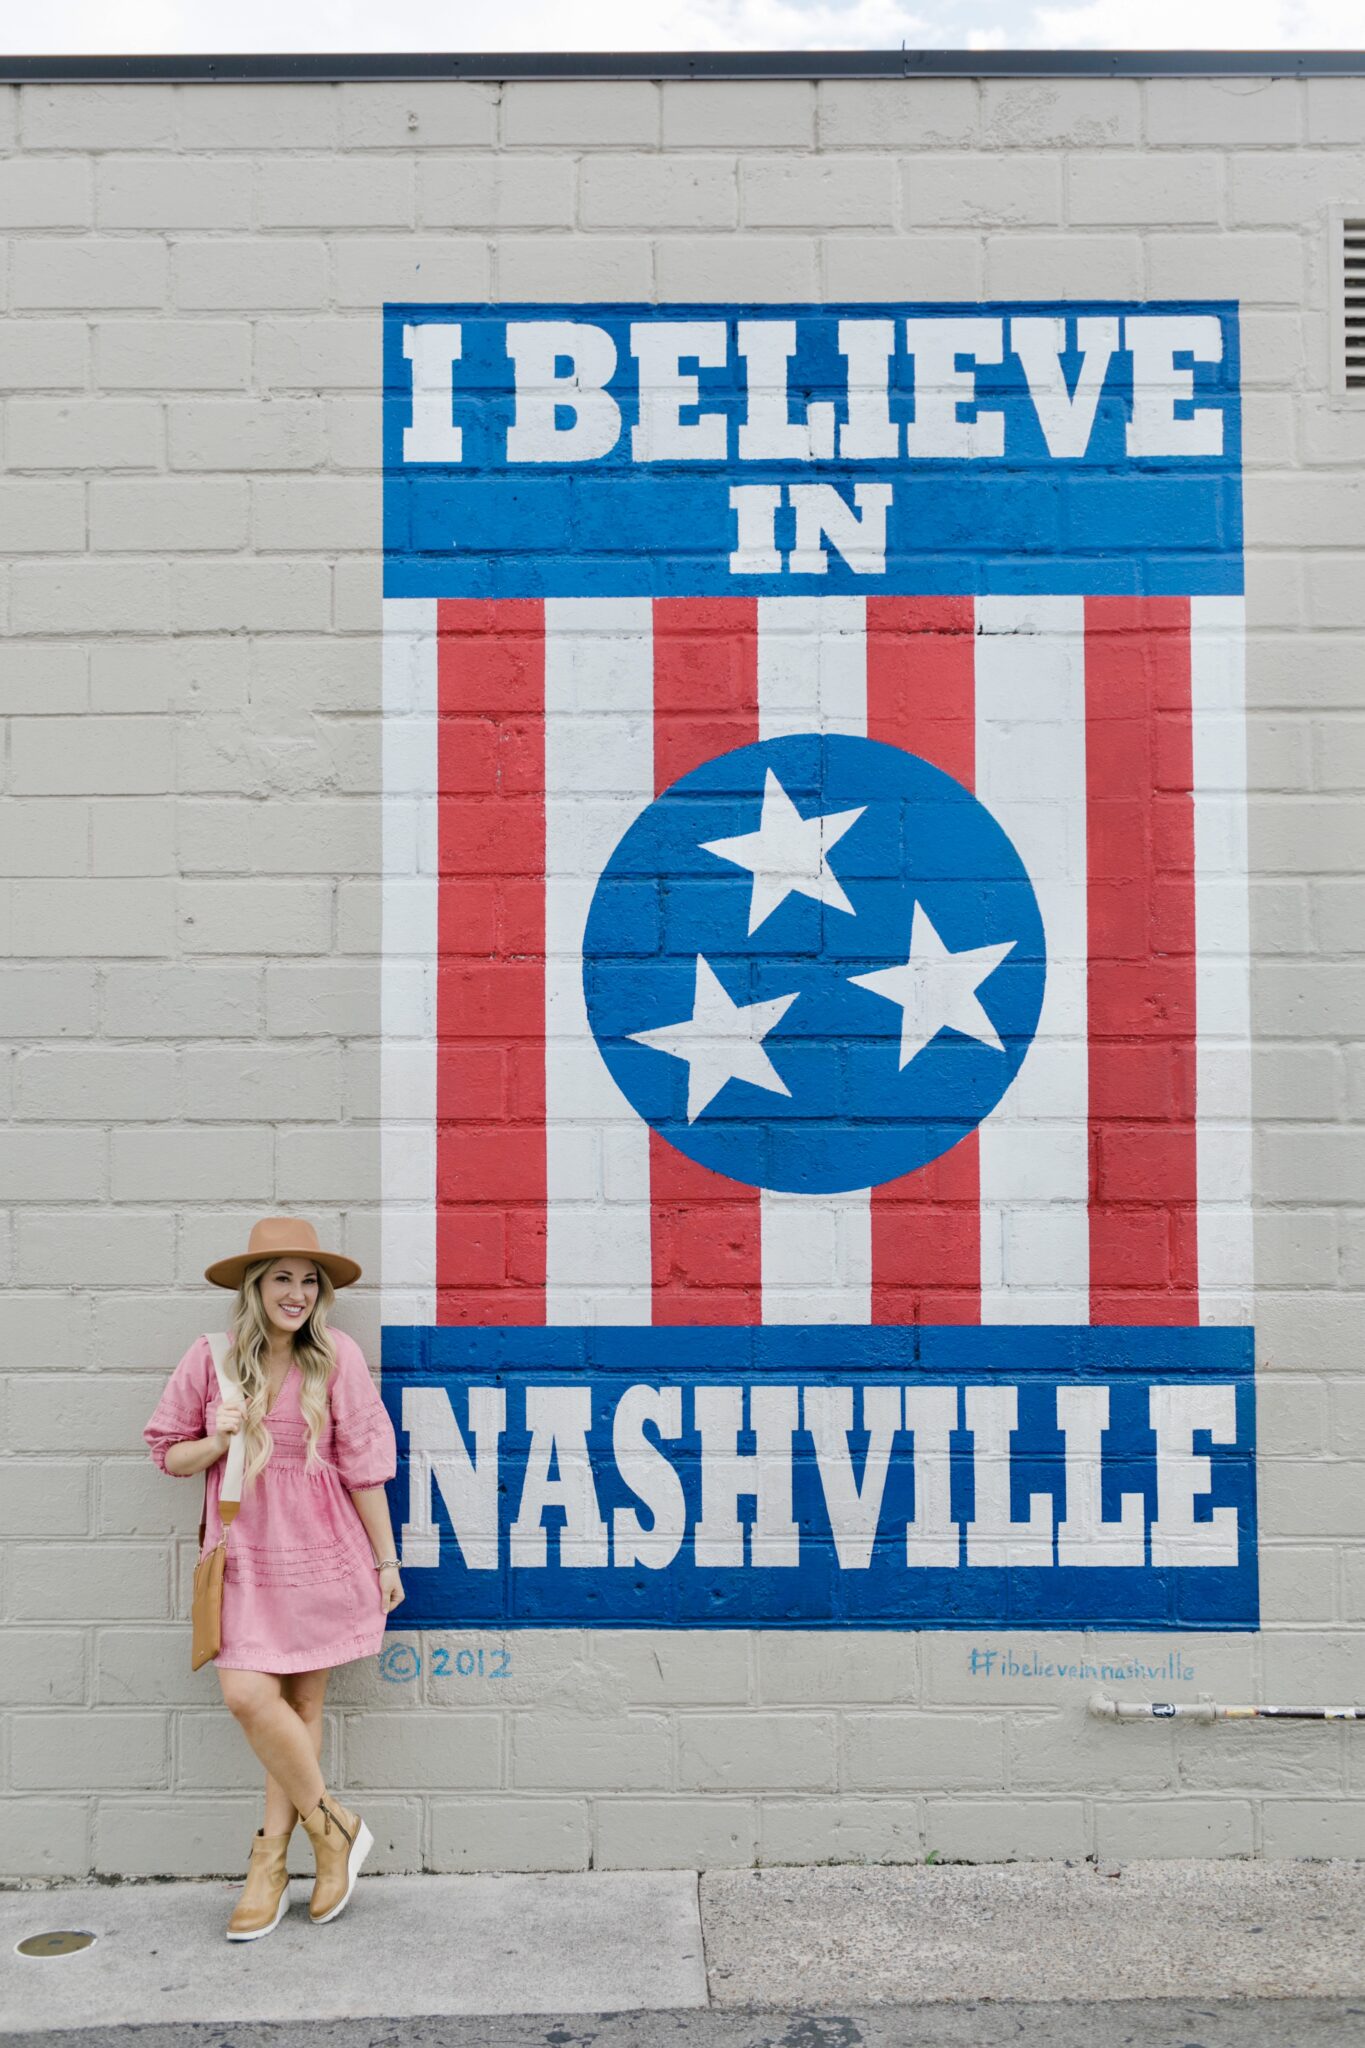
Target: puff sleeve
(363, 1442)
(182, 1413)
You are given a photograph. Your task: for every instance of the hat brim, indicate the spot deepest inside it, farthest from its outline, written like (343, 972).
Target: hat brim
(231, 1272)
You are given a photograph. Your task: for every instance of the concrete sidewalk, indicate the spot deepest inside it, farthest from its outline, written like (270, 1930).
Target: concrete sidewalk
(936, 1940)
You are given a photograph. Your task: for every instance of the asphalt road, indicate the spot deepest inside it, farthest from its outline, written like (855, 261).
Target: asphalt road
(1144, 2023)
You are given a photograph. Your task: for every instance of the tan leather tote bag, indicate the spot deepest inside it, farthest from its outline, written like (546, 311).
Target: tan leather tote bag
(206, 1608)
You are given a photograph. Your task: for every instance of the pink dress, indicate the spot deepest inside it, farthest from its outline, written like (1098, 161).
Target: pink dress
(300, 1592)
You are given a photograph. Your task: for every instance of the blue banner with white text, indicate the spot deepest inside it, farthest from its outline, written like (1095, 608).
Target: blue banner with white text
(824, 1477)
(620, 451)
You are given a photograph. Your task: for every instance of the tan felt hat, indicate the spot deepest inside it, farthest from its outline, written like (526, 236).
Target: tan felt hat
(282, 1237)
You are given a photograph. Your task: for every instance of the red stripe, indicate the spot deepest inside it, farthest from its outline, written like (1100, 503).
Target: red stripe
(704, 1228)
(490, 988)
(926, 1227)
(1140, 864)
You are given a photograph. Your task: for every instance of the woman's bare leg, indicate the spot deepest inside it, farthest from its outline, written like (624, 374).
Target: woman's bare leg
(275, 1731)
(305, 1692)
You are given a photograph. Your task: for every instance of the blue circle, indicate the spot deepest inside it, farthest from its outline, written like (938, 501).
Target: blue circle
(855, 1116)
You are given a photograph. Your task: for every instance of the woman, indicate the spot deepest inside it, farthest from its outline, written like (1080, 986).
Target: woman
(300, 1592)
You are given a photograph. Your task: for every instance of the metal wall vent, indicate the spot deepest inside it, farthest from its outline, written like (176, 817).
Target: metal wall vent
(1346, 270)
(1353, 304)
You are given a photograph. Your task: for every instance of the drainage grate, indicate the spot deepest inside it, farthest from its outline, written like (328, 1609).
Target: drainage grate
(64, 1941)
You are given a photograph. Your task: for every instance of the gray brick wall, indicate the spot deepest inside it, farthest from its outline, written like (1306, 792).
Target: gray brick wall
(190, 840)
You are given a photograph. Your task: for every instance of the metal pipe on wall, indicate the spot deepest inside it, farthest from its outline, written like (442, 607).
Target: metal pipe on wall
(1105, 1709)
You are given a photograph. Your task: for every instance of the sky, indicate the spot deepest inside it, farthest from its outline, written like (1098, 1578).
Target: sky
(140, 27)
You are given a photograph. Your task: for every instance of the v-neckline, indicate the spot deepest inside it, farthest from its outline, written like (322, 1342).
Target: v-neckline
(279, 1391)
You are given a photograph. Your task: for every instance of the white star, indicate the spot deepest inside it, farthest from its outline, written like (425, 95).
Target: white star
(787, 853)
(936, 988)
(721, 1041)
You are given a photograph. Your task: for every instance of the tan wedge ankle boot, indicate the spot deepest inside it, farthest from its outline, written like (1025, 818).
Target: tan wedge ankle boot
(265, 1895)
(341, 1842)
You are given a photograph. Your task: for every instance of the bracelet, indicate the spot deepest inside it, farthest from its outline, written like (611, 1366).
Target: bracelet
(388, 1561)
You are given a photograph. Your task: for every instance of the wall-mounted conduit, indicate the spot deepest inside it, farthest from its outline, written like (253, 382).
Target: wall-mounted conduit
(1205, 1709)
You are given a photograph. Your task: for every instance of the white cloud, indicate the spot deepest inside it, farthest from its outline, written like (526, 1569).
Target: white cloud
(140, 27)
(1215, 25)
(810, 25)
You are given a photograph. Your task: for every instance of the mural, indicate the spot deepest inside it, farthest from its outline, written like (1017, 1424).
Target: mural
(815, 1083)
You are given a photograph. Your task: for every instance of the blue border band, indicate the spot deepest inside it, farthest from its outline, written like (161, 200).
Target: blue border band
(818, 1592)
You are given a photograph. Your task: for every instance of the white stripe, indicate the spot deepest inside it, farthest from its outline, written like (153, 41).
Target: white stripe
(817, 1257)
(1030, 774)
(812, 677)
(599, 776)
(812, 666)
(407, 1068)
(1222, 959)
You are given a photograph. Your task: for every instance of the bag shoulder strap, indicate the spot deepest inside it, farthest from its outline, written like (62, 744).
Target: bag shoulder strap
(220, 1343)
(230, 1494)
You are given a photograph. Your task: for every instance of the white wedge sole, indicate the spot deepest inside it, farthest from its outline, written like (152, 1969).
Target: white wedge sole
(280, 1912)
(360, 1849)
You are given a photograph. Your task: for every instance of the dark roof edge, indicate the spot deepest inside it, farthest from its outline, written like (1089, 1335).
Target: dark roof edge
(494, 66)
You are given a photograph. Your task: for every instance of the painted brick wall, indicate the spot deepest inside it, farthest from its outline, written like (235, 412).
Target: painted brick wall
(191, 841)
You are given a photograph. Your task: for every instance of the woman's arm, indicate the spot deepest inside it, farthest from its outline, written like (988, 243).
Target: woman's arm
(366, 1455)
(190, 1427)
(372, 1506)
(184, 1460)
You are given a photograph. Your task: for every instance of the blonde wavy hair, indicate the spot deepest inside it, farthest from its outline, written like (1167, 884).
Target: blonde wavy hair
(314, 1352)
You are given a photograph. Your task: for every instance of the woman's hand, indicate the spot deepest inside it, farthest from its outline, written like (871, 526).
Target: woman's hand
(390, 1588)
(227, 1420)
